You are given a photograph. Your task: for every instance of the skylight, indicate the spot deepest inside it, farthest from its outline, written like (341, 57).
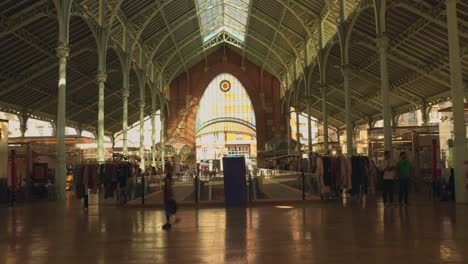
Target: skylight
(218, 16)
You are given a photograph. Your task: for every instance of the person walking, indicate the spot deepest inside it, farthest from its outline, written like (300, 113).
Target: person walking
(169, 202)
(404, 169)
(388, 171)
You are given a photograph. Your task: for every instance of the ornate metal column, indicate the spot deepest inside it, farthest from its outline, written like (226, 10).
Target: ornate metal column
(23, 118)
(62, 54)
(346, 71)
(457, 89)
(348, 116)
(322, 59)
(142, 135)
(425, 111)
(382, 43)
(323, 91)
(125, 95)
(382, 46)
(141, 74)
(288, 122)
(63, 15)
(101, 78)
(102, 34)
(153, 137)
(309, 132)
(298, 146)
(163, 137)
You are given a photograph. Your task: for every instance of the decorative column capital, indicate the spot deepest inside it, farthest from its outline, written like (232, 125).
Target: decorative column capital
(382, 42)
(54, 128)
(125, 93)
(101, 77)
(323, 88)
(79, 130)
(23, 129)
(62, 51)
(345, 69)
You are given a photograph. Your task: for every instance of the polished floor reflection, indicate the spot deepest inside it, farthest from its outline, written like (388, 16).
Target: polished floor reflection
(291, 233)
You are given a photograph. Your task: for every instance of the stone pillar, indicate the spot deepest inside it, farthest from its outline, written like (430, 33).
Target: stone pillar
(125, 95)
(457, 90)
(61, 171)
(325, 118)
(348, 116)
(101, 78)
(382, 45)
(142, 135)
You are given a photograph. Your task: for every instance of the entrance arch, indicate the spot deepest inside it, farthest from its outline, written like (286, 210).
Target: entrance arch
(225, 123)
(185, 92)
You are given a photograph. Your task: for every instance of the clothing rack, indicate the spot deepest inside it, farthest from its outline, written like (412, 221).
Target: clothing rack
(110, 176)
(341, 176)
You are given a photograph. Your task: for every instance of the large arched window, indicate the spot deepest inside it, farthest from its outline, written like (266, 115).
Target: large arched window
(225, 122)
(225, 97)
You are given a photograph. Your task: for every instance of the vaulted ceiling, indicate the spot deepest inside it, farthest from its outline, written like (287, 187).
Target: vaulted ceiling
(281, 36)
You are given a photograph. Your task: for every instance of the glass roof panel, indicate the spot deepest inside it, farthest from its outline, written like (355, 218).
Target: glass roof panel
(218, 16)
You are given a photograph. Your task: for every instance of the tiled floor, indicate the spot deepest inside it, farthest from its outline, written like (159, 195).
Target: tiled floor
(305, 233)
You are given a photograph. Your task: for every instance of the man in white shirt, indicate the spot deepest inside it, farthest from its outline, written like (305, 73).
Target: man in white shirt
(388, 171)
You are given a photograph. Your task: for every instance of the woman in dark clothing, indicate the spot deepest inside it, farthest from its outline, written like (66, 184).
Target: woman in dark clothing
(169, 201)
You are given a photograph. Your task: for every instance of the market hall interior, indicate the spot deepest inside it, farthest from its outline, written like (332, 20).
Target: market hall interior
(284, 108)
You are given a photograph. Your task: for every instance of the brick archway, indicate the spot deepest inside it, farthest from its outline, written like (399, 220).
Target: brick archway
(187, 90)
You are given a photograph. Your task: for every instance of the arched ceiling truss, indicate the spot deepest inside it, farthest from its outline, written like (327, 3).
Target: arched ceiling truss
(165, 38)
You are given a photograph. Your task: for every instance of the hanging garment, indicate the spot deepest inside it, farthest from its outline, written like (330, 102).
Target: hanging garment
(365, 174)
(355, 175)
(101, 174)
(80, 191)
(111, 180)
(344, 171)
(327, 174)
(320, 171)
(372, 176)
(85, 179)
(94, 182)
(123, 174)
(332, 173)
(337, 172)
(349, 172)
(78, 175)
